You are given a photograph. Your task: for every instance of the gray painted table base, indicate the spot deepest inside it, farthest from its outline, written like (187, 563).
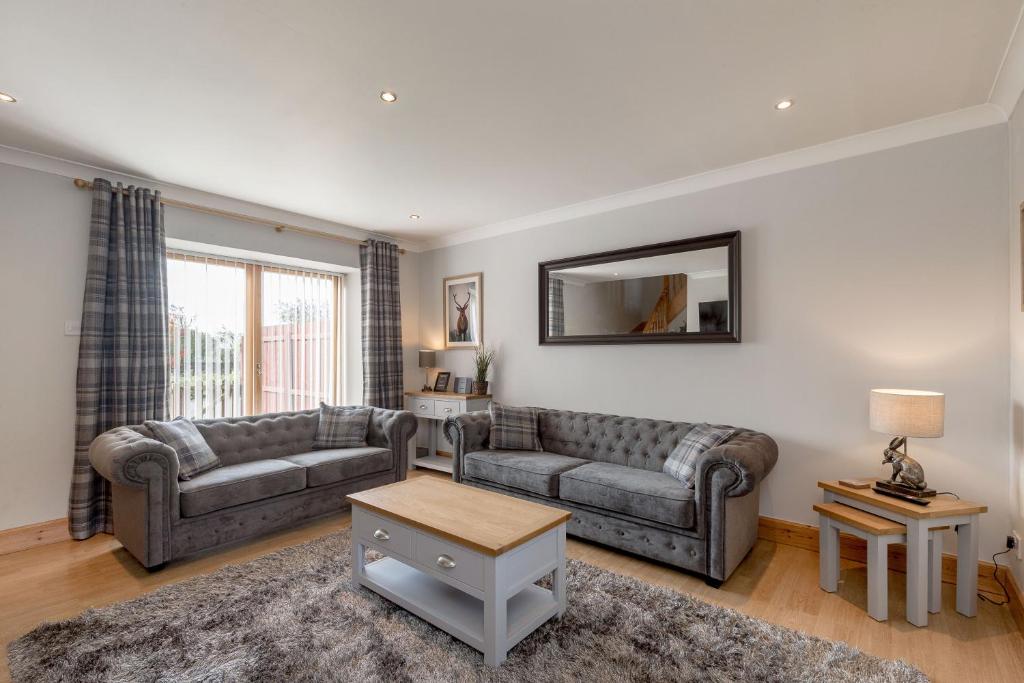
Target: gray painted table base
(488, 602)
(967, 526)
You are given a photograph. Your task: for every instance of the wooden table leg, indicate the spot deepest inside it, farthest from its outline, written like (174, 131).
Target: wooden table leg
(828, 555)
(917, 572)
(967, 568)
(558, 580)
(358, 562)
(935, 572)
(495, 612)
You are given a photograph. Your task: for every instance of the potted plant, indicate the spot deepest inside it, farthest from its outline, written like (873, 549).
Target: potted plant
(482, 360)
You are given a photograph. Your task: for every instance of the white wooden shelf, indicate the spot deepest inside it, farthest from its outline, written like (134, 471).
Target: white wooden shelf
(452, 610)
(434, 462)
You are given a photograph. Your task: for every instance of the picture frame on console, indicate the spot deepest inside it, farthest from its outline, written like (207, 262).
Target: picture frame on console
(441, 382)
(463, 311)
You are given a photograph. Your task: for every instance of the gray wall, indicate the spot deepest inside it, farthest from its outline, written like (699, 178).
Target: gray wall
(887, 269)
(44, 229)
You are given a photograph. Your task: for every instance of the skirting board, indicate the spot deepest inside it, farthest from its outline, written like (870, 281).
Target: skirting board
(31, 535)
(854, 549)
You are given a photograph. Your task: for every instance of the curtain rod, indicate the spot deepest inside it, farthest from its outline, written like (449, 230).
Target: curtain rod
(278, 226)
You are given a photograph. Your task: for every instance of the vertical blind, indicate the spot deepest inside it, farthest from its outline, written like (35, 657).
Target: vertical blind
(248, 338)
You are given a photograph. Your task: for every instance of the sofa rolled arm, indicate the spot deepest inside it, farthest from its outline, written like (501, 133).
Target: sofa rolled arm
(748, 457)
(395, 428)
(468, 432)
(121, 455)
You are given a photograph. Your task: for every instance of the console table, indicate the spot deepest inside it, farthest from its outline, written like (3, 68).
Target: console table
(963, 515)
(433, 407)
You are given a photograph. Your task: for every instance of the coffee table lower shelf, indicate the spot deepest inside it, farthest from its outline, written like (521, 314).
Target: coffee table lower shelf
(452, 610)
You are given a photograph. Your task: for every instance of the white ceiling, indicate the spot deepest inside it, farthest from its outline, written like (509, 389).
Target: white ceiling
(505, 108)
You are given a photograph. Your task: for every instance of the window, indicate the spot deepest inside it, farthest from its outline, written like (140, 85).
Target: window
(249, 338)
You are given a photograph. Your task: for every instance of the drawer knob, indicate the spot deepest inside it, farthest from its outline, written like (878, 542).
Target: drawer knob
(447, 410)
(445, 562)
(381, 535)
(422, 406)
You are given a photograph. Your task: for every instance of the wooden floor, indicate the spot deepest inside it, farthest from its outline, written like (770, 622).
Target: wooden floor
(777, 583)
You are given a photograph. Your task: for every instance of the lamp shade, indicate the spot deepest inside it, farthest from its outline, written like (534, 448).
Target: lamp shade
(428, 359)
(907, 412)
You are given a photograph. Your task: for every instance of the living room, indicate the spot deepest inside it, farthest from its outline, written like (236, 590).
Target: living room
(615, 330)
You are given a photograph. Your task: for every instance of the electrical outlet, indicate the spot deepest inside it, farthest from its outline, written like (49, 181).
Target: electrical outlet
(1016, 544)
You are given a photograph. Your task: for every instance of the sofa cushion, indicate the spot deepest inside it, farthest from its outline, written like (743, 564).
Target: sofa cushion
(513, 428)
(533, 471)
(194, 455)
(233, 485)
(655, 496)
(338, 464)
(682, 461)
(341, 427)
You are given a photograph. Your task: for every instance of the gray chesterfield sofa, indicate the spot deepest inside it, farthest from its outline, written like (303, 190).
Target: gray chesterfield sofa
(607, 470)
(270, 478)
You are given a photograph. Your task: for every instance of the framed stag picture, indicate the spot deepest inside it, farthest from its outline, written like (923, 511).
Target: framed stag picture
(463, 311)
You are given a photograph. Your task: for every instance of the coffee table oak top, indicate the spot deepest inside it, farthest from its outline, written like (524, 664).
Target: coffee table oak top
(940, 506)
(488, 522)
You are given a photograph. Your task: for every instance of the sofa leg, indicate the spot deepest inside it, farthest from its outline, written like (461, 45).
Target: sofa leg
(156, 567)
(714, 583)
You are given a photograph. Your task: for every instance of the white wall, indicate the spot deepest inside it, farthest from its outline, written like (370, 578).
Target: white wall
(44, 230)
(887, 269)
(1015, 480)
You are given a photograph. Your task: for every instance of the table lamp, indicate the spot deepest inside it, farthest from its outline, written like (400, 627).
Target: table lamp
(428, 359)
(905, 413)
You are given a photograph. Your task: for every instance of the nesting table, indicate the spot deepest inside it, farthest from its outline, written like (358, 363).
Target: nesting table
(464, 559)
(962, 515)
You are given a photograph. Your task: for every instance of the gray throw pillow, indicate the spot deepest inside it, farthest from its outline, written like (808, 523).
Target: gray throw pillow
(194, 455)
(514, 428)
(341, 427)
(682, 461)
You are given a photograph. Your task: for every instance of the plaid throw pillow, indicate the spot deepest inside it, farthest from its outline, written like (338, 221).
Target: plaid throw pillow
(682, 461)
(341, 427)
(194, 455)
(514, 428)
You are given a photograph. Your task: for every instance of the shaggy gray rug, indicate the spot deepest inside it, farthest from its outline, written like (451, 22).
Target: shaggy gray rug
(291, 616)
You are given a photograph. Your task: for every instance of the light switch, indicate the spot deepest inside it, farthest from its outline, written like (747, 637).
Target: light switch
(72, 328)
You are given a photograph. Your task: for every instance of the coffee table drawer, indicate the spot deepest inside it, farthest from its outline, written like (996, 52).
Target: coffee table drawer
(451, 560)
(386, 533)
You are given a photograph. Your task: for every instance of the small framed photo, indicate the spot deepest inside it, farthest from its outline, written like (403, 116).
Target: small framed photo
(441, 383)
(463, 385)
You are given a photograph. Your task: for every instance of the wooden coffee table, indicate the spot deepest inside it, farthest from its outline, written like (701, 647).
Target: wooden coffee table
(464, 559)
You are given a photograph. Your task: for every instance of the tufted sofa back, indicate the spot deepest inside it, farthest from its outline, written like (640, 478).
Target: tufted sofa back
(274, 435)
(635, 442)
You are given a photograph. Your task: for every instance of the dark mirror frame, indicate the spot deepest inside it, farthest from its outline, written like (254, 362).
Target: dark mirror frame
(724, 239)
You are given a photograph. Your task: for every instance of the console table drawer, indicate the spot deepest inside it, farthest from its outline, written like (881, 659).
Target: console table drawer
(446, 408)
(420, 406)
(451, 560)
(386, 533)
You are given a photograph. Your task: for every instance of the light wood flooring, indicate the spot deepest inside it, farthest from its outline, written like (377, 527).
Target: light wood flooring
(777, 583)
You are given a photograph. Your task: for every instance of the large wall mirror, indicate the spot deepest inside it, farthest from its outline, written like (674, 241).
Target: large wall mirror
(675, 292)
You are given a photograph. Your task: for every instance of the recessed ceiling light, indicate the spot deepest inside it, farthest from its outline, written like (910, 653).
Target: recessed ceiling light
(388, 96)
(783, 105)
(414, 216)
(9, 99)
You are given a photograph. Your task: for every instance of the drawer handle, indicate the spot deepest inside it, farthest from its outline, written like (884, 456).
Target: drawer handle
(447, 410)
(445, 562)
(381, 535)
(423, 406)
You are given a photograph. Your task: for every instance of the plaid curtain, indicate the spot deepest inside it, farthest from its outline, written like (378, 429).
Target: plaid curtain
(556, 307)
(122, 353)
(382, 325)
